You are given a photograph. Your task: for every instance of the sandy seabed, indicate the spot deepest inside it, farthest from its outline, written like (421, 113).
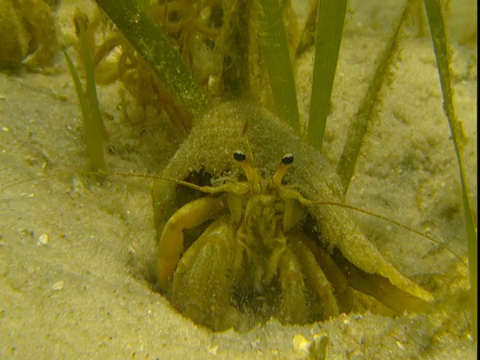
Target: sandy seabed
(75, 254)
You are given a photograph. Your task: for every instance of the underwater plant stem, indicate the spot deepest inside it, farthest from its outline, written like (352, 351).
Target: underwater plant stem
(94, 131)
(437, 29)
(278, 63)
(236, 70)
(359, 125)
(92, 120)
(93, 134)
(329, 31)
(154, 47)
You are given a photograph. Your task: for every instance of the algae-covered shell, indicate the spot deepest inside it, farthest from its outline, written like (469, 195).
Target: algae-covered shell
(208, 151)
(212, 142)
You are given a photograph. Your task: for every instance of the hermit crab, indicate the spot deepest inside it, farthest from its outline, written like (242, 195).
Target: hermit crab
(245, 232)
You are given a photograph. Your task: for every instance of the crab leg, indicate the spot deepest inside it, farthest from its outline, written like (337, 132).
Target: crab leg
(317, 278)
(170, 246)
(292, 308)
(205, 277)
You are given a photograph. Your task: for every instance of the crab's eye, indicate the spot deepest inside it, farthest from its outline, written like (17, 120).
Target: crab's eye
(287, 159)
(239, 156)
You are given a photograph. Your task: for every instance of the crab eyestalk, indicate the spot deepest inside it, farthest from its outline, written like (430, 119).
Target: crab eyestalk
(287, 161)
(254, 180)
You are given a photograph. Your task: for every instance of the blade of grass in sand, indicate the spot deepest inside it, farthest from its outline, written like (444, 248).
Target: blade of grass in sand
(329, 31)
(359, 125)
(437, 29)
(278, 63)
(92, 121)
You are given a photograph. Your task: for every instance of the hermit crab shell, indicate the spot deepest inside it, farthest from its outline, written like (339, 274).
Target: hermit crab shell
(209, 149)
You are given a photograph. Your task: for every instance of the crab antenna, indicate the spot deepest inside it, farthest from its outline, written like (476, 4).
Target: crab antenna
(246, 128)
(252, 175)
(287, 161)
